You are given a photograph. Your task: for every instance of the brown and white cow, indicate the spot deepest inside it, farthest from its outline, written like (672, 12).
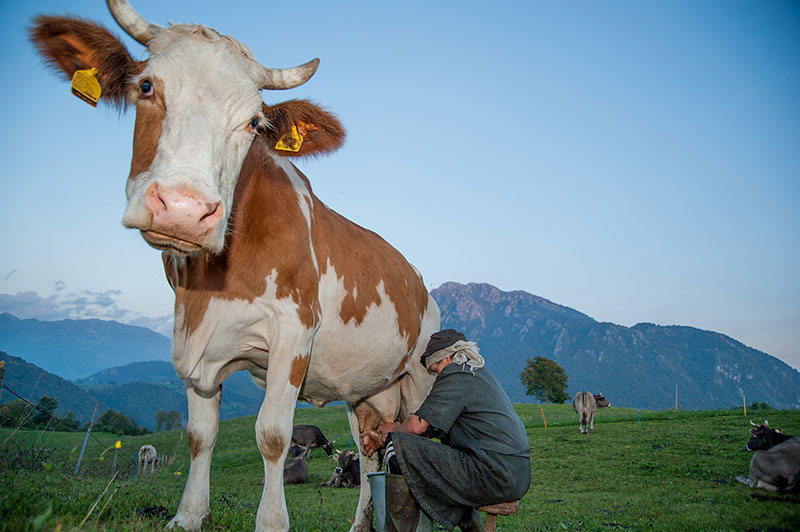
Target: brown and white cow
(585, 405)
(266, 277)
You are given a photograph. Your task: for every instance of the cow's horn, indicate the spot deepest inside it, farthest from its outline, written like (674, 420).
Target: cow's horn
(287, 78)
(751, 422)
(132, 22)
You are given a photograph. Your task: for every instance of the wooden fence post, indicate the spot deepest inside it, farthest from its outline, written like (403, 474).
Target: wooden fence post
(2, 374)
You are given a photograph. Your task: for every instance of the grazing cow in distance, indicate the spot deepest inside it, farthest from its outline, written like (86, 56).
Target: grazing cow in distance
(147, 456)
(347, 473)
(775, 465)
(311, 437)
(585, 405)
(295, 468)
(267, 278)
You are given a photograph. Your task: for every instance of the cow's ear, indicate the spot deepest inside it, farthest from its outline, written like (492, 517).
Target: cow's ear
(70, 44)
(298, 128)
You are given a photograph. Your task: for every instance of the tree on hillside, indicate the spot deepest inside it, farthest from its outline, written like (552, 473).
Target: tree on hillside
(15, 414)
(44, 411)
(69, 422)
(170, 420)
(545, 379)
(118, 423)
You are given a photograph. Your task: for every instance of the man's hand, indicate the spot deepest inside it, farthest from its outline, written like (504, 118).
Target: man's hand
(386, 428)
(371, 441)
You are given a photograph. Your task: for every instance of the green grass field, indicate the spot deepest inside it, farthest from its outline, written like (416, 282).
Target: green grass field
(669, 471)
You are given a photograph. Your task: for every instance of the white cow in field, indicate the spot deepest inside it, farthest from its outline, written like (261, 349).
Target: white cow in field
(146, 457)
(585, 405)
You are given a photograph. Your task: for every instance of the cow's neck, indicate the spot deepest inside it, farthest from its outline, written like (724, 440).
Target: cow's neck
(267, 239)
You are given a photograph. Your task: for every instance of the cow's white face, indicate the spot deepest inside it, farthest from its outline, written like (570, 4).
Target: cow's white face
(197, 110)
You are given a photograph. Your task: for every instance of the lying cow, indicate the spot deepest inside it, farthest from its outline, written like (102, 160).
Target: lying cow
(347, 474)
(775, 465)
(295, 468)
(585, 405)
(311, 437)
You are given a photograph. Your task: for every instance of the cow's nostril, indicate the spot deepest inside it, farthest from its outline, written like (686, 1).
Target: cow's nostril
(214, 210)
(155, 202)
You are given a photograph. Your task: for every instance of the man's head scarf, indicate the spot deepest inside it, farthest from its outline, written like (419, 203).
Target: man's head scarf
(451, 342)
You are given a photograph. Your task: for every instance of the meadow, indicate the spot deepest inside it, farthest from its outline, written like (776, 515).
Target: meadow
(654, 471)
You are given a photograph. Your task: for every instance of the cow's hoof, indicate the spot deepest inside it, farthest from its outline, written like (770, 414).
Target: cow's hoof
(743, 479)
(187, 522)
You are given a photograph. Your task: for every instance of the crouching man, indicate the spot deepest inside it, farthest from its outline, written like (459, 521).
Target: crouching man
(483, 457)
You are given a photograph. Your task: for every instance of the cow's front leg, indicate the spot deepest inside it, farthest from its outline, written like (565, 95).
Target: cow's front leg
(201, 433)
(274, 434)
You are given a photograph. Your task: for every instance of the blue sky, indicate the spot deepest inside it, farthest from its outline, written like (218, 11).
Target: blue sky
(636, 161)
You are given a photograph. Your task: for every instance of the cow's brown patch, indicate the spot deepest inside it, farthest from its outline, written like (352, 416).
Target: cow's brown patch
(266, 232)
(298, 371)
(150, 114)
(195, 443)
(272, 445)
(362, 259)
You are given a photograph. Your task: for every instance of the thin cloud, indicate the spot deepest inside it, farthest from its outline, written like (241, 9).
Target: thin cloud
(12, 272)
(81, 305)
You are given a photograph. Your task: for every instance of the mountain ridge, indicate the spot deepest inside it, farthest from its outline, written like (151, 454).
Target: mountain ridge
(640, 365)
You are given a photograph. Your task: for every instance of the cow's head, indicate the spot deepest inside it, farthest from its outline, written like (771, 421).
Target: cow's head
(297, 450)
(328, 447)
(601, 401)
(198, 110)
(346, 460)
(762, 437)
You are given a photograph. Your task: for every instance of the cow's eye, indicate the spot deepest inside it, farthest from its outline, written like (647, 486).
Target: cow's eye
(146, 87)
(254, 122)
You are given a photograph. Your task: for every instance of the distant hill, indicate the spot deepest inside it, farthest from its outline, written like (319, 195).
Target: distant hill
(32, 382)
(633, 366)
(77, 348)
(140, 389)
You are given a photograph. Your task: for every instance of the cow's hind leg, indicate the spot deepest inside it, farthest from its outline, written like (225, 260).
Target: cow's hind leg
(201, 433)
(583, 423)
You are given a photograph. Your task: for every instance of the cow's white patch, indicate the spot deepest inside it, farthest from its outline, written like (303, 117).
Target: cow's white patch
(304, 199)
(235, 331)
(336, 371)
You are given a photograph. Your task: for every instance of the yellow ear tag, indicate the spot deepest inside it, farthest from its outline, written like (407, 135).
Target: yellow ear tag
(86, 87)
(290, 141)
